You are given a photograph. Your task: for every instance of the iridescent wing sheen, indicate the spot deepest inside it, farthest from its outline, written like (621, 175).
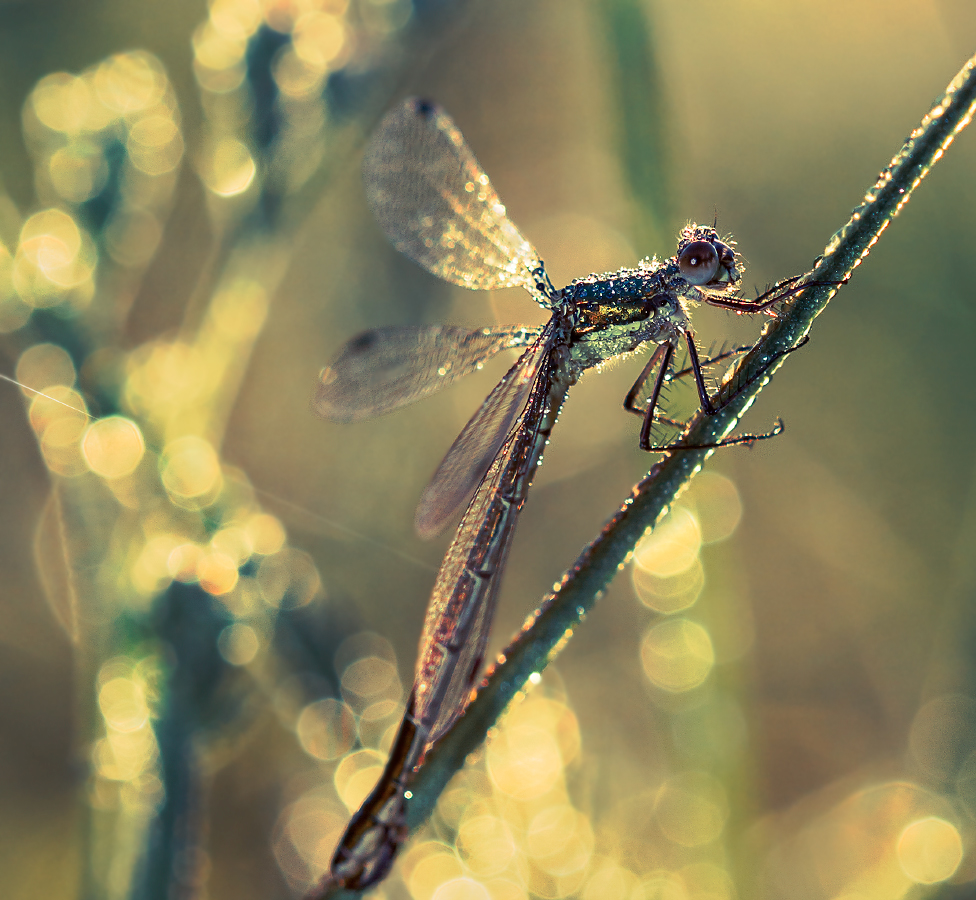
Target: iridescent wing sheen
(462, 603)
(478, 444)
(437, 206)
(381, 370)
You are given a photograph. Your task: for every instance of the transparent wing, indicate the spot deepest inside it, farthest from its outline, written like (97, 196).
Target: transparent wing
(381, 370)
(462, 603)
(437, 206)
(478, 444)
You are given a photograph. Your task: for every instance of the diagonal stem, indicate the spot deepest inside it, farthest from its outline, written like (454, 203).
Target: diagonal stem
(561, 611)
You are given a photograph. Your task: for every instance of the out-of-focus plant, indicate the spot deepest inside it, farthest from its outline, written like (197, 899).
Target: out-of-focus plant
(156, 555)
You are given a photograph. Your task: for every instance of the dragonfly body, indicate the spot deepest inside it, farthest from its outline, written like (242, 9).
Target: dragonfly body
(437, 206)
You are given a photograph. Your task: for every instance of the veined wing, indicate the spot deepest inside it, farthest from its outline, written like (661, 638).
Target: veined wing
(437, 206)
(478, 444)
(381, 370)
(462, 603)
(455, 630)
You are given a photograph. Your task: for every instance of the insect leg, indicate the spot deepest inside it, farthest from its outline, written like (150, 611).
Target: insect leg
(630, 401)
(645, 434)
(696, 370)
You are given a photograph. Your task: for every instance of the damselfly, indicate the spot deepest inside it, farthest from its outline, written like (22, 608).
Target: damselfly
(438, 207)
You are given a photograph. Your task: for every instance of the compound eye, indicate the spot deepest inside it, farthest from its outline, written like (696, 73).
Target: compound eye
(698, 263)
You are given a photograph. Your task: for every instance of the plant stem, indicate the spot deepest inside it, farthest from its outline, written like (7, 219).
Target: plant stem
(583, 584)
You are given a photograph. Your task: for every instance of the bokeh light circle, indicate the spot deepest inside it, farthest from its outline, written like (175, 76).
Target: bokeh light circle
(113, 447)
(930, 850)
(677, 655)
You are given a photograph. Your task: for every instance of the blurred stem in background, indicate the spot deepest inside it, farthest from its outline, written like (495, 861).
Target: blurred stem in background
(140, 498)
(641, 116)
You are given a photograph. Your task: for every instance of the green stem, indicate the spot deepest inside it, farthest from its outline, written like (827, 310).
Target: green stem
(584, 583)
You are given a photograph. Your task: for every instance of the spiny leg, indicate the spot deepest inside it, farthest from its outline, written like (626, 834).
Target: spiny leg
(662, 357)
(696, 370)
(777, 429)
(713, 360)
(768, 297)
(645, 432)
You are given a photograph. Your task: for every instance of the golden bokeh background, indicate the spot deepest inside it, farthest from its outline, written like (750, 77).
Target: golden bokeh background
(211, 599)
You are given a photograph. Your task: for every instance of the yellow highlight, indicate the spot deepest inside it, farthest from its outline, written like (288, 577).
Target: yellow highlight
(182, 562)
(430, 866)
(129, 82)
(370, 678)
(56, 403)
(164, 377)
(123, 704)
(672, 547)
(124, 756)
(661, 885)
(61, 102)
(228, 169)
(59, 420)
(487, 845)
(524, 762)
(237, 18)
(691, 809)
(461, 889)
(295, 77)
(312, 826)
(53, 256)
(239, 311)
(266, 533)
(113, 447)
(560, 840)
(78, 172)
(190, 468)
(930, 850)
(718, 505)
(319, 39)
(557, 718)
(150, 572)
(326, 729)
(705, 879)
(44, 365)
(670, 594)
(234, 543)
(218, 49)
(609, 882)
(155, 145)
(216, 572)
(677, 655)
(357, 775)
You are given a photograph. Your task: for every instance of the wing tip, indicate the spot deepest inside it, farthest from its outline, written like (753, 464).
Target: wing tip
(326, 404)
(431, 518)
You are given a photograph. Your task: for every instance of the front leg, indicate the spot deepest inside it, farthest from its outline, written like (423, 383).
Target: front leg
(782, 290)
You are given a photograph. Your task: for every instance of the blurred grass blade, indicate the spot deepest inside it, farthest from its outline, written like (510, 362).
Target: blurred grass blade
(55, 567)
(640, 114)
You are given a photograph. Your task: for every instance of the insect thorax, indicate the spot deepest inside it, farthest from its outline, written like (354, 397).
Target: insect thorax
(618, 312)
